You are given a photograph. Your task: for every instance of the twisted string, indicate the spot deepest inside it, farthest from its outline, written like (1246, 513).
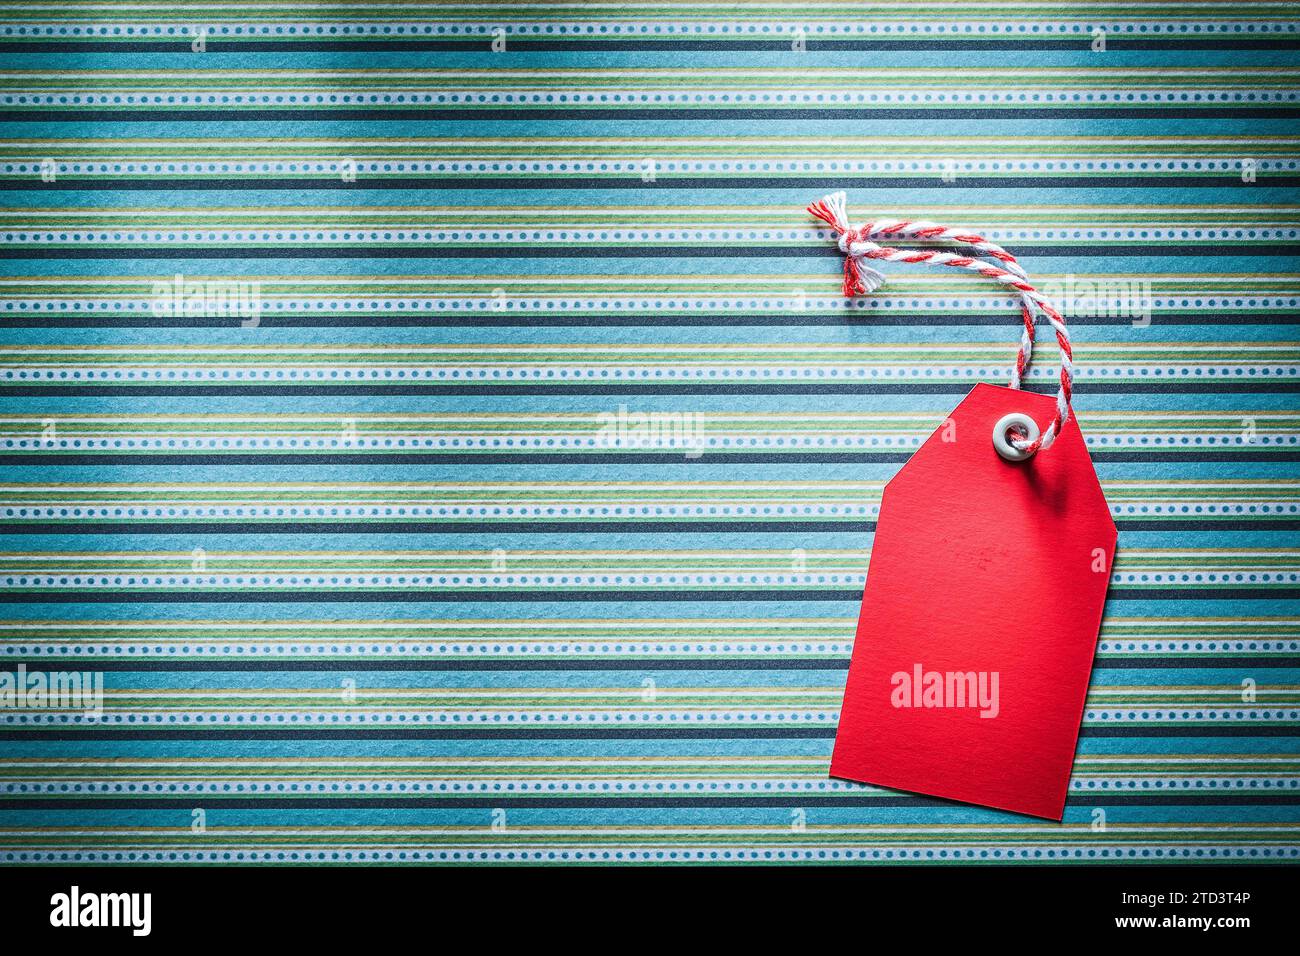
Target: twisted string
(858, 245)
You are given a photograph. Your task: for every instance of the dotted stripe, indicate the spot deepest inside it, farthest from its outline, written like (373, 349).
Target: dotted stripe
(846, 510)
(1008, 853)
(588, 581)
(123, 235)
(390, 373)
(895, 301)
(1075, 27)
(665, 98)
(665, 166)
(569, 648)
(1189, 714)
(665, 785)
(563, 442)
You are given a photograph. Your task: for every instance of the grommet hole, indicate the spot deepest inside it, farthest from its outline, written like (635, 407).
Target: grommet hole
(1012, 428)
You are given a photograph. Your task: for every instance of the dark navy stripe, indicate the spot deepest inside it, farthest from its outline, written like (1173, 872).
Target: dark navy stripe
(778, 44)
(833, 666)
(414, 318)
(581, 387)
(73, 596)
(573, 733)
(338, 459)
(645, 526)
(1066, 180)
(525, 801)
(576, 113)
(513, 253)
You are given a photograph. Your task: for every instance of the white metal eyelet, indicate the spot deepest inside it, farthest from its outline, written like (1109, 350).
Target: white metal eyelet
(1003, 445)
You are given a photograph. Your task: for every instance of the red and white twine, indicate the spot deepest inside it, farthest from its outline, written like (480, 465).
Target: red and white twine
(858, 244)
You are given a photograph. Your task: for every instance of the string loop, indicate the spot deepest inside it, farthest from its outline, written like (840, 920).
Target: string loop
(859, 244)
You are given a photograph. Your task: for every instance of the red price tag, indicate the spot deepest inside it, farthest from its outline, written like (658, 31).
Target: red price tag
(980, 616)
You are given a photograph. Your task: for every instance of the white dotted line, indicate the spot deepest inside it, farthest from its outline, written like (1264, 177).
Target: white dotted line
(901, 302)
(664, 166)
(363, 374)
(450, 512)
(362, 580)
(365, 581)
(717, 28)
(660, 98)
(560, 785)
(109, 718)
(564, 442)
(1058, 852)
(602, 235)
(421, 718)
(565, 649)
(454, 649)
(558, 510)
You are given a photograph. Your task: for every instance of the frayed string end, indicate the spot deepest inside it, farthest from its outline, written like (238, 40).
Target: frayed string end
(833, 210)
(860, 279)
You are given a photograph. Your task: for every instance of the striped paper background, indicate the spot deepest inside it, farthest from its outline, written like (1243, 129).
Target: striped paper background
(527, 521)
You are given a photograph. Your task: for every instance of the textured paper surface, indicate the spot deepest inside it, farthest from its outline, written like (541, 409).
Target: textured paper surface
(615, 652)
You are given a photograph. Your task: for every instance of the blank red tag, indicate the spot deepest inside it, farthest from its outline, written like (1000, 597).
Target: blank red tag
(980, 616)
